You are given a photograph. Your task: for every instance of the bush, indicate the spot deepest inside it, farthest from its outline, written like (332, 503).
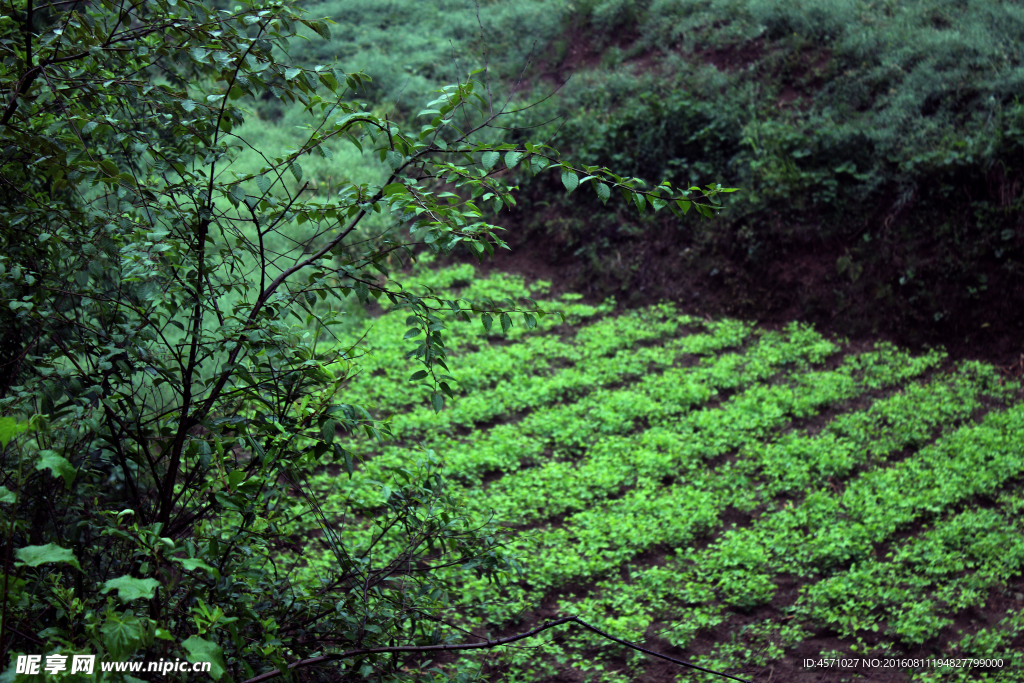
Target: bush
(881, 138)
(174, 377)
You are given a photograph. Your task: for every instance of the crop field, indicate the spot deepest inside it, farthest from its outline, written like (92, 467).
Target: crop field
(742, 498)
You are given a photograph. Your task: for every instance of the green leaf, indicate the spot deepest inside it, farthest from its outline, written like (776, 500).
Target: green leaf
(639, 200)
(362, 291)
(129, 588)
(330, 81)
(109, 167)
(603, 192)
(10, 428)
(418, 375)
(395, 188)
(188, 105)
(321, 27)
(263, 182)
(191, 564)
(437, 401)
(200, 650)
(684, 205)
(512, 159)
(122, 634)
(506, 322)
(349, 466)
(328, 430)
(51, 553)
(238, 194)
(570, 180)
(58, 466)
(289, 74)
(296, 171)
(6, 495)
(198, 53)
(489, 159)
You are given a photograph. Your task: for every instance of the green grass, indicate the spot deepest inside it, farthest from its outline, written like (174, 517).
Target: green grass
(843, 123)
(409, 48)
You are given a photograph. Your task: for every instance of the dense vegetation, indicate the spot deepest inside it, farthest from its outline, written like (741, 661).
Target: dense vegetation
(720, 491)
(257, 410)
(171, 373)
(878, 145)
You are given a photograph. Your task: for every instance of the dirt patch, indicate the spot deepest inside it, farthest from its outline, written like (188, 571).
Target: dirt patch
(804, 75)
(732, 57)
(580, 48)
(800, 284)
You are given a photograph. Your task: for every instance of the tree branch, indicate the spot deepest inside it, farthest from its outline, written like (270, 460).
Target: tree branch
(484, 645)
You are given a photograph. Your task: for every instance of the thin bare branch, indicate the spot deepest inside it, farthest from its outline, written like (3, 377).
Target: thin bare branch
(487, 644)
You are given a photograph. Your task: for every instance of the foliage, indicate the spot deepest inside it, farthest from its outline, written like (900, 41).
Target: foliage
(884, 135)
(173, 367)
(410, 48)
(196, 453)
(634, 439)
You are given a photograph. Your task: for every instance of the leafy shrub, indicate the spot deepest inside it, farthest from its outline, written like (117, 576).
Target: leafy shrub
(884, 135)
(409, 48)
(182, 370)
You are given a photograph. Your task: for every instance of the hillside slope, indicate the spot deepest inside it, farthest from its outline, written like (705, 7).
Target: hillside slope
(877, 146)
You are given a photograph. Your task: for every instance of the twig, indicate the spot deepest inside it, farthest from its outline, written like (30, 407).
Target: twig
(476, 646)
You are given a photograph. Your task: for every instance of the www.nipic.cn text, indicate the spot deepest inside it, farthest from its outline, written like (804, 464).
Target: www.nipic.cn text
(86, 664)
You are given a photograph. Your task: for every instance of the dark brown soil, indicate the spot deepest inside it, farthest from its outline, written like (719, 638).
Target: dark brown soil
(802, 287)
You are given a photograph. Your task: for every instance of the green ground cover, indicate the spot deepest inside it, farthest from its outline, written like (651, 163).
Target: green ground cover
(877, 492)
(880, 139)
